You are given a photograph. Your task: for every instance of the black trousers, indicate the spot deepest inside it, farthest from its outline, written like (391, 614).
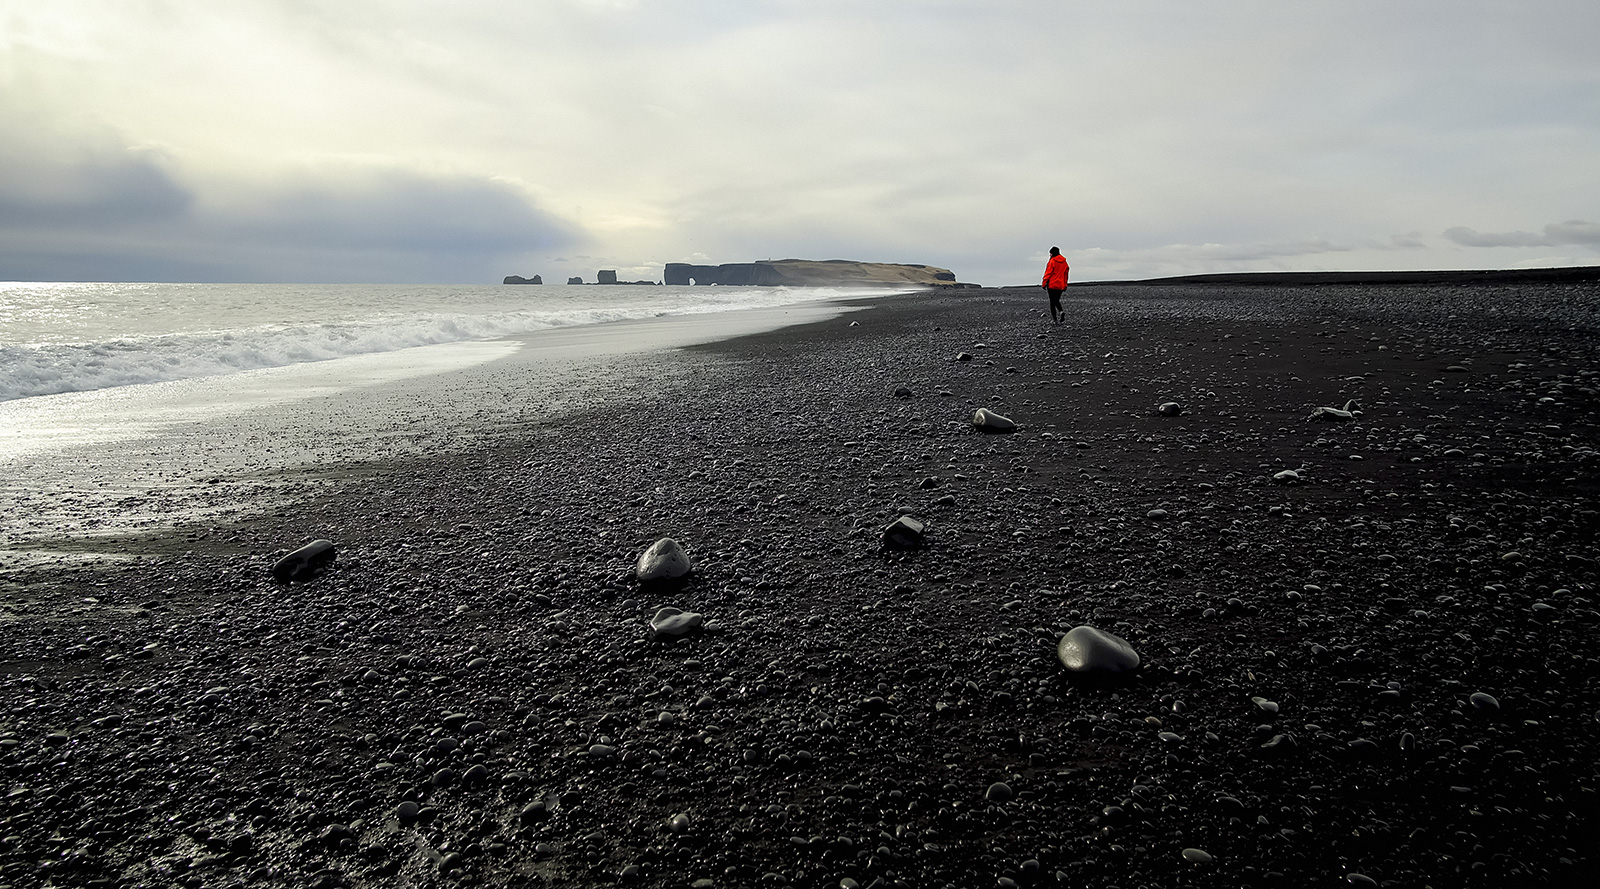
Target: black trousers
(1055, 303)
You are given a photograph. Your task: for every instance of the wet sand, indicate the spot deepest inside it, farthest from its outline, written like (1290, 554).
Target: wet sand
(470, 696)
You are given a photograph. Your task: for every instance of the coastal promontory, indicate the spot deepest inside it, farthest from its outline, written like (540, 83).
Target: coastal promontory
(809, 273)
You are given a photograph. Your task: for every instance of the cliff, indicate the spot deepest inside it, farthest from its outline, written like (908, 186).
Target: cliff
(809, 273)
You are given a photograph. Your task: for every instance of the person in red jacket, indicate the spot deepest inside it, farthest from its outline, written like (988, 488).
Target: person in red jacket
(1055, 281)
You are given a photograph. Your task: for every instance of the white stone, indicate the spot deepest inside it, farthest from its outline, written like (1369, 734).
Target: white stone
(989, 421)
(1086, 649)
(1335, 414)
(674, 622)
(664, 560)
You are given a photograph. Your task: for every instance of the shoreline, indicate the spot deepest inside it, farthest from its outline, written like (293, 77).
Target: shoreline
(893, 719)
(185, 444)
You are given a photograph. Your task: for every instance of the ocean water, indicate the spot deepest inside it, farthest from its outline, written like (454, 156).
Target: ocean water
(57, 338)
(130, 408)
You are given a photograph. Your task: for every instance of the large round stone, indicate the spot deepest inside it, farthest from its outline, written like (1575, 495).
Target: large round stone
(1086, 649)
(664, 560)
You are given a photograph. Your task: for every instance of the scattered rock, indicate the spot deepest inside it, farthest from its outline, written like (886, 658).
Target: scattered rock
(1087, 649)
(904, 532)
(985, 420)
(664, 560)
(1335, 414)
(1170, 409)
(671, 623)
(305, 563)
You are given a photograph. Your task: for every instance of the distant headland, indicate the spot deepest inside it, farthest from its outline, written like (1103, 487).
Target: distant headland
(787, 273)
(1447, 276)
(811, 273)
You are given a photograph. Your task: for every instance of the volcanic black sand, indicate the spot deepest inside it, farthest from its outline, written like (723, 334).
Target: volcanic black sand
(470, 697)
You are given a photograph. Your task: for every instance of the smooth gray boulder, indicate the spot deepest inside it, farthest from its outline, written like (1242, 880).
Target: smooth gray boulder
(306, 562)
(985, 420)
(1087, 649)
(671, 623)
(664, 560)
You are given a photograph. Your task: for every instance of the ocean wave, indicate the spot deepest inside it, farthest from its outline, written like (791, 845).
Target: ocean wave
(52, 368)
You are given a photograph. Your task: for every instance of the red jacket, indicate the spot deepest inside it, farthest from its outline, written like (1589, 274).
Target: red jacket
(1055, 273)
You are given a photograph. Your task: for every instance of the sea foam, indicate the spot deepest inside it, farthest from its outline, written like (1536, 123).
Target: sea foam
(48, 368)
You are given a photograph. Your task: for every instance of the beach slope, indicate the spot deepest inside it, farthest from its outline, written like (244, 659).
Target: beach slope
(1366, 644)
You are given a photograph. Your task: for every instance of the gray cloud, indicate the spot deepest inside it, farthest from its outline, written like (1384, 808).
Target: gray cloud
(92, 183)
(93, 212)
(1236, 135)
(361, 208)
(1574, 232)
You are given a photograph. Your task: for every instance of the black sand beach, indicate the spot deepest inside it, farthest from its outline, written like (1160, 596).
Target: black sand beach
(470, 697)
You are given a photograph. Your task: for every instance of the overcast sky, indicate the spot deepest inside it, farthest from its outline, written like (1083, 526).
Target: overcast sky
(461, 141)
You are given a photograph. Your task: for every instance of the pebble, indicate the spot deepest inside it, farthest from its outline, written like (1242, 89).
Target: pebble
(985, 420)
(306, 562)
(535, 811)
(904, 532)
(663, 560)
(672, 622)
(1264, 704)
(1196, 856)
(1483, 701)
(1086, 649)
(998, 792)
